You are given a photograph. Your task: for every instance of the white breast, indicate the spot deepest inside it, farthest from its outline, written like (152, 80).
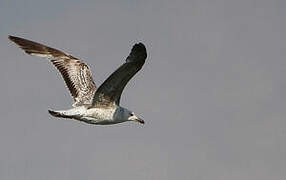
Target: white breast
(101, 113)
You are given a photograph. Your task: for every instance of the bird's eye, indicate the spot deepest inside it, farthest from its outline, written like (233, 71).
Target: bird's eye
(131, 114)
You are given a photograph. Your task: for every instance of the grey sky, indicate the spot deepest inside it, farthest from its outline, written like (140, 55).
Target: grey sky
(212, 91)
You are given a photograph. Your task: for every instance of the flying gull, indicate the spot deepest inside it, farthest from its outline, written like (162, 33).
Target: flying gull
(91, 104)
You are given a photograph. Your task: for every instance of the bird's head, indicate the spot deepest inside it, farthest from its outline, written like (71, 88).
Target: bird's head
(124, 114)
(133, 117)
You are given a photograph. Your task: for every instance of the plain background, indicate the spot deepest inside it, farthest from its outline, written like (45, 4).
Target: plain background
(212, 91)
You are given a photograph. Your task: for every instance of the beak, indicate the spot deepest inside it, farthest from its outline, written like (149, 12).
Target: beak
(141, 121)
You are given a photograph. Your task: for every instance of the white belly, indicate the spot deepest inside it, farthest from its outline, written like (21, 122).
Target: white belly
(100, 116)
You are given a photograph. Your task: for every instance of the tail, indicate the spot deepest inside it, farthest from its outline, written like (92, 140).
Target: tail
(58, 114)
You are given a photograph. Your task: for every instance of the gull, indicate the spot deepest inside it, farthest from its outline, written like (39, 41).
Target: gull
(92, 105)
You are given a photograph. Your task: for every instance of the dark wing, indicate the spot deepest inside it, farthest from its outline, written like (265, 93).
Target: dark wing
(110, 91)
(75, 73)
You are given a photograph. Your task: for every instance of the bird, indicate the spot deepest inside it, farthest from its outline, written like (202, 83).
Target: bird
(92, 105)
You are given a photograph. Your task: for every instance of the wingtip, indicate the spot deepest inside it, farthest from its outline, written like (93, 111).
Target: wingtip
(139, 50)
(14, 38)
(139, 45)
(11, 37)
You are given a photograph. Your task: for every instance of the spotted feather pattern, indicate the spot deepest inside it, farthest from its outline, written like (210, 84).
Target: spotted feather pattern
(75, 73)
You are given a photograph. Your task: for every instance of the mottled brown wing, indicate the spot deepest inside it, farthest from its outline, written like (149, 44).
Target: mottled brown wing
(76, 74)
(109, 92)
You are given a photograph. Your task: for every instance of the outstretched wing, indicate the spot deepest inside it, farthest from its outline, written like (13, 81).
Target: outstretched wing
(76, 74)
(109, 92)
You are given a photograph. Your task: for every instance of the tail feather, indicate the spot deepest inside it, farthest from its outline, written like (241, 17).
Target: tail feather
(58, 114)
